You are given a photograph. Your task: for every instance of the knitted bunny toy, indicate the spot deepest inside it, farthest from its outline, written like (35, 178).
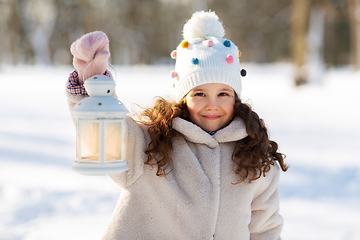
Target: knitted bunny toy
(91, 48)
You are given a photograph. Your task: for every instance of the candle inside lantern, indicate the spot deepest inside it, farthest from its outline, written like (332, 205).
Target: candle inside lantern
(89, 134)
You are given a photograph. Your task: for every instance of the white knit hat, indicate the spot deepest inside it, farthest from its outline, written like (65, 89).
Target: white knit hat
(204, 56)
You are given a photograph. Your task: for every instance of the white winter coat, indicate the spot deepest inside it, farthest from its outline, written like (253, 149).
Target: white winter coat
(197, 199)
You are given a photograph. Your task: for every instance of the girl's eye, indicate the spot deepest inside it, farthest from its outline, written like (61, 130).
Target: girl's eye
(223, 94)
(200, 94)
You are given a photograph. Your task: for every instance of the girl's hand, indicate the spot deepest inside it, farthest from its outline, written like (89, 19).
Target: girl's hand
(91, 48)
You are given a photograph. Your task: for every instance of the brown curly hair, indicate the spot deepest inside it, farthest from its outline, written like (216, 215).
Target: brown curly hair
(253, 155)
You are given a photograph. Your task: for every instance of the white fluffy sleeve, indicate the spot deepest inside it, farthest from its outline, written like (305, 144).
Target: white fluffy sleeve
(136, 141)
(266, 222)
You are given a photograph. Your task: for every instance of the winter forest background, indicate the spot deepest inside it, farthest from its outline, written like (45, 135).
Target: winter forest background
(303, 63)
(145, 31)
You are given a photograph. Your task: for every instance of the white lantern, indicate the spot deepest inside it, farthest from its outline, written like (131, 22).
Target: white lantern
(100, 129)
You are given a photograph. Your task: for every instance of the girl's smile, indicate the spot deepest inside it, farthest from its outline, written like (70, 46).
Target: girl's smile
(211, 106)
(212, 117)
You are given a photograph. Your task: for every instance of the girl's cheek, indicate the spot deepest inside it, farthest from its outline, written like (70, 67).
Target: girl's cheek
(191, 105)
(192, 111)
(190, 108)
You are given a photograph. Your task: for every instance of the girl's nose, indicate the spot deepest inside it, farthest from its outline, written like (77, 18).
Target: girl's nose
(212, 105)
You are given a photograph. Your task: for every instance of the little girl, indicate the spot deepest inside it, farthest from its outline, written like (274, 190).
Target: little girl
(201, 167)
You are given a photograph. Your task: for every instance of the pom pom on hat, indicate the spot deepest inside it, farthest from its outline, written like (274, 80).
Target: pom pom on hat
(203, 24)
(229, 59)
(185, 44)
(204, 56)
(209, 43)
(173, 54)
(173, 74)
(243, 72)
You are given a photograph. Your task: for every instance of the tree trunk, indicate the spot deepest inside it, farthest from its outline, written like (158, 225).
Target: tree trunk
(299, 27)
(20, 46)
(315, 45)
(354, 14)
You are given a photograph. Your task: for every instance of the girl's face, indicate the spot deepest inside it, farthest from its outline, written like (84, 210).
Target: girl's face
(211, 106)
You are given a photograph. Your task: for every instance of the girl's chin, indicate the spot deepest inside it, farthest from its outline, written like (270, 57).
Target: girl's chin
(214, 127)
(210, 129)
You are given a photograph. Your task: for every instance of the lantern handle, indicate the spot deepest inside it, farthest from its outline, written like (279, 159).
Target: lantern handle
(108, 63)
(85, 70)
(114, 70)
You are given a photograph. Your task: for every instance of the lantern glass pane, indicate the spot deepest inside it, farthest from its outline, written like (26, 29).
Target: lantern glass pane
(113, 141)
(89, 141)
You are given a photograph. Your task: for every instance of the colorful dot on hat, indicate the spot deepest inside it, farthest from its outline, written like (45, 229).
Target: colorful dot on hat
(227, 43)
(173, 74)
(185, 44)
(243, 72)
(239, 53)
(173, 54)
(195, 61)
(209, 43)
(229, 59)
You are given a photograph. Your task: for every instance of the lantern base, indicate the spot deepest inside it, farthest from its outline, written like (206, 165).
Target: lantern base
(100, 169)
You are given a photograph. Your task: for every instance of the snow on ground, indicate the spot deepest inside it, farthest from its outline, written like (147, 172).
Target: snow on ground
(316, 126)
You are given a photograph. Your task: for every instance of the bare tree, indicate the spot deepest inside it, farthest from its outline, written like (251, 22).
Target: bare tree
(68, 26)
(299, 29)
(37, 19)
(16, 47)
(146, 31)
(354, 13)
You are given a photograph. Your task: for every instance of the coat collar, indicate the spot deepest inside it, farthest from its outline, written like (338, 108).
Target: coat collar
(235, 131)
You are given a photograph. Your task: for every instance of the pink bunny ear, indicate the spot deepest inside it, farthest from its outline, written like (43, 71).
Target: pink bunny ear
(91, 48)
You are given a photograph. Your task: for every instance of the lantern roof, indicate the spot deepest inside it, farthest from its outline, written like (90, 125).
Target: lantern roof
(100, 86)
(99, 107)
(100, 104)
